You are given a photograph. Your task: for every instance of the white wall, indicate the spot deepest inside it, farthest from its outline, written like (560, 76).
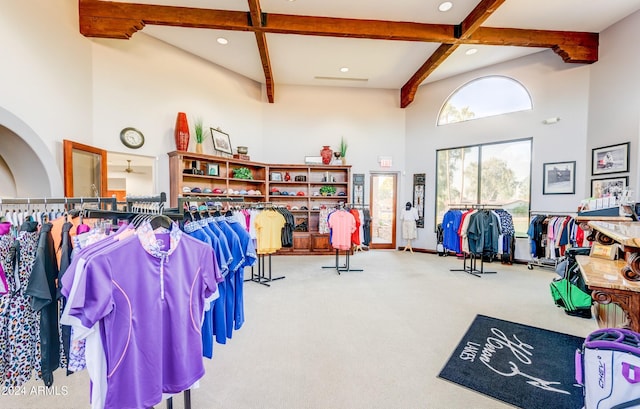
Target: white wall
(557, 89)
(614, 95)
(303, 119)
(45, 78)
(144, 83)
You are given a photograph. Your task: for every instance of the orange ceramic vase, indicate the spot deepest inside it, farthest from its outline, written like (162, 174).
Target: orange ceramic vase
(182, 132)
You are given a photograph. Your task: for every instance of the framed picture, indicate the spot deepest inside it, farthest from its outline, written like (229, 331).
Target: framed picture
(213, 169)
(276, 177)
(419, 180)
(610, 159)
(313, 160)
(221, 141)
(611, 187)
(559, 178)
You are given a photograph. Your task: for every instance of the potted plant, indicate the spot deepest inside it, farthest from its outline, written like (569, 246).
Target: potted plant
(328, 190)
(197, 125)
(343, 150)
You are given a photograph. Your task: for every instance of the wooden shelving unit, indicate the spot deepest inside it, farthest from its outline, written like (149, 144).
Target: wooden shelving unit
(301, 197)
(305, 199)
(254, 190)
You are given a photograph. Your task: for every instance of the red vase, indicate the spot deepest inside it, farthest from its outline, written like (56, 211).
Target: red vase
(182, 132)
(287, 177)
(326, 154)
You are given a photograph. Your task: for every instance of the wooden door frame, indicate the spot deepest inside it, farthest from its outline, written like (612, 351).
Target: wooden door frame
(395, 175)
(67, 148)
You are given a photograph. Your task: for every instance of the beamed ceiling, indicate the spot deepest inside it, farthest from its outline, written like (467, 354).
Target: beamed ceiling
(398, 45)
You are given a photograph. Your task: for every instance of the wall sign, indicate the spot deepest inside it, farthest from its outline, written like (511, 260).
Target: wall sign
(418, 197)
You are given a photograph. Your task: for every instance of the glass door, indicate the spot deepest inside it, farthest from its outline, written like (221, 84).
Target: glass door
(383, 210)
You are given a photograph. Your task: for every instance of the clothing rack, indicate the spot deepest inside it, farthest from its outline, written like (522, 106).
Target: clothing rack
(346, 266)
(141, 202)
(549, 263)
(471, 268)
(100, 201)
(466, 206)
(260, 276)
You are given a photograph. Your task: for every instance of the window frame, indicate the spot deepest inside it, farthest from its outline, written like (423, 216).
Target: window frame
(479, 190)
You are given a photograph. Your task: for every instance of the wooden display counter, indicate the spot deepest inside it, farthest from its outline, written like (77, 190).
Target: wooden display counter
(605, 279)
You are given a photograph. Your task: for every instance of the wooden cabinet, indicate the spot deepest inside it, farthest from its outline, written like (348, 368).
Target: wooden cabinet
(611, 289)
(299, 188)
(296, 187)
(215, 176)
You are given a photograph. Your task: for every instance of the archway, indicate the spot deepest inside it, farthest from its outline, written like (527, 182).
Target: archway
(26, 160)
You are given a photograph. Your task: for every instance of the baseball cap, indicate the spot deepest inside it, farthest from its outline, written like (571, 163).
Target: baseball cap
(300, 193)
(186, 189)
(196, 190)
(217, 190)
(206, 190)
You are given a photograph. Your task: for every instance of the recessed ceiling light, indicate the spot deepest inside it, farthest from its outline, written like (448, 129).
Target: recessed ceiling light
(471, 51)
(344, 69)
(222, 40)
(446, 6)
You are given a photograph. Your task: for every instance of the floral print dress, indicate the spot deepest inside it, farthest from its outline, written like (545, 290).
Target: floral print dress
(19, 323)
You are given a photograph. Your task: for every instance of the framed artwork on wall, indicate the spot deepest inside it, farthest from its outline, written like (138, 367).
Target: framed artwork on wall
(610, 159)
(611, 187)
(559, 178)
(419, 180)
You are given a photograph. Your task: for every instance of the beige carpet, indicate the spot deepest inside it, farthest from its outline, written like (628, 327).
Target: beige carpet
(371, 339)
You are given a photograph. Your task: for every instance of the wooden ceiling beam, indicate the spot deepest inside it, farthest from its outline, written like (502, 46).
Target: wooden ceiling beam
(478, 15)
(469, 25)
(408, 90)
(261, 40)
(121, 20)
(92, 11)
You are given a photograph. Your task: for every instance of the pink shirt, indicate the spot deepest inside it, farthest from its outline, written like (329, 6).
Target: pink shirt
(342, 224)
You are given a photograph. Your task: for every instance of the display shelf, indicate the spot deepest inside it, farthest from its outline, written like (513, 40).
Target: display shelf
(217, 173)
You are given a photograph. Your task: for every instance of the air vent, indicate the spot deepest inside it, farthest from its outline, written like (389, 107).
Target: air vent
(342, 79)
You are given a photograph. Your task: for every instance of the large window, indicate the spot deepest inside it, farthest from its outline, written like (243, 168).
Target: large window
(483, 97)
(492, 174)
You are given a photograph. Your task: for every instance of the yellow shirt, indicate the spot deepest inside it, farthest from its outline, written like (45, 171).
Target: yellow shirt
(269, 224)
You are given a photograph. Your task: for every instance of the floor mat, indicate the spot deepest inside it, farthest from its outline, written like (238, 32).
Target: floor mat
(528, 367)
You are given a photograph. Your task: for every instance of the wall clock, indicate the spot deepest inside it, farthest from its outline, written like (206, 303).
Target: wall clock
(131, 138)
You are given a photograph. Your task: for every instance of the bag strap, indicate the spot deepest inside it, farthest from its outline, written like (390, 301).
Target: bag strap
(628, 404)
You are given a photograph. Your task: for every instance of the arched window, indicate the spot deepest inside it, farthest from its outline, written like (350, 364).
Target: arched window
(483, 97)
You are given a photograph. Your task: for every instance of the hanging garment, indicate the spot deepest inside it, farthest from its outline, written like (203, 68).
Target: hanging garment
(342, 225)
(42, 289)
(160, 308)
(65, 259)
(269, 225)
(19, 323)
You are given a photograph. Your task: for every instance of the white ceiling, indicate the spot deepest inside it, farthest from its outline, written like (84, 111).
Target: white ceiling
(298, 59)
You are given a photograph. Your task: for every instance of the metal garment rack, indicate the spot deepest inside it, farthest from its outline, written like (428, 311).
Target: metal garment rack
(100, 201)
(550, 263)
(347, 264)
(471, 268)
(261, 277)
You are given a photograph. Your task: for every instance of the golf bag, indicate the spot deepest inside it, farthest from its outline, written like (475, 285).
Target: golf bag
(570, 291)
(608, 367)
